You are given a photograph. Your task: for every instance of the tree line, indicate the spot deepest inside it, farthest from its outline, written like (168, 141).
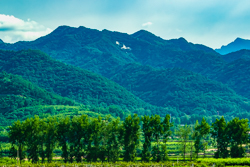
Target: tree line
(108, 139)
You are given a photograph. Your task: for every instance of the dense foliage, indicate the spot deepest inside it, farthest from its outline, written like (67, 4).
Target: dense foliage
(106, 139)
(236, 75)
(184, 90)
(241, 54)
(68, 81)
(17, 93)
(93, 138)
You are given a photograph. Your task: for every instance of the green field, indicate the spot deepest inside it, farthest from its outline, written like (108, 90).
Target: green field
(7, 162)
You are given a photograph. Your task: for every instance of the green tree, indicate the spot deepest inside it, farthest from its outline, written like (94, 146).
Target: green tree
(238, 133)
(63, 135)
(32, 129)
(17, 138)
(201, 131)
(220, 135)
(147, 129)
(41, 138)
(50, 137)
(157, 132)
(166, 133)
(78, 130)
(115, 140)
(131, 137)
(94, 130)
(183, 133)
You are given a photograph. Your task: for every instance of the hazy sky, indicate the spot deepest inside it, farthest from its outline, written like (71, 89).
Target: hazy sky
(212, 22)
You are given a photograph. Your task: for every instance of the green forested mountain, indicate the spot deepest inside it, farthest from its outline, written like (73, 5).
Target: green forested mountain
(157, 71)
(17, 93)
(180, 44)
(101, 51)
(188, 92)
(241, 54)
(236, 75)
(68, 81)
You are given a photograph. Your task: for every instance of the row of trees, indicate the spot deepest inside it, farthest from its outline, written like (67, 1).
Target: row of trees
(233, 134)
(109, 139)
(91, 138)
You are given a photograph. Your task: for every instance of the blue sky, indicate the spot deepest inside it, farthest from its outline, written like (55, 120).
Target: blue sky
(212, 22)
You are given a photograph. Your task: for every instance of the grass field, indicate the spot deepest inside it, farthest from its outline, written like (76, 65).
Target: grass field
(7, 162)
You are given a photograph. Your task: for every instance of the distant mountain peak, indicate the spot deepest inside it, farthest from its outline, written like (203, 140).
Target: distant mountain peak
(182, 39)
(237, 44)
(140, 32)
(63, 27)
(148, 36)
(67, 29)
(143, 33)
(239, 39)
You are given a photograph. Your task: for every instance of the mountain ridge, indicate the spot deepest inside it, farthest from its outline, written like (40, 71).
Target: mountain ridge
(236, 45)
(93, 50)
(107, 53)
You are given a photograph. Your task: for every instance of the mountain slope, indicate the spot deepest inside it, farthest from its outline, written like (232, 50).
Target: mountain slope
(26, 93)
(236, 75)
(188, 92)
(102, 51)
(18, 93)
(236, 45)
(68, 81)
(241, 54)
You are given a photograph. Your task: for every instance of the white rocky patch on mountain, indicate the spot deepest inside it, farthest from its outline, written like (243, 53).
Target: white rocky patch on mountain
(126, 48)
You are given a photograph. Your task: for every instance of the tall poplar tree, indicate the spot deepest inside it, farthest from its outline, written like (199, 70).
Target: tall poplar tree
(157, 132)
(17, 139)
(131, 136)
(115, 140)
(201, 131)
(183, 133)
(50, 137)
(166, 133)
(63, 135)
(238, 133)
(220, 134)
(147, 129)
(95, 140)
(32, 130)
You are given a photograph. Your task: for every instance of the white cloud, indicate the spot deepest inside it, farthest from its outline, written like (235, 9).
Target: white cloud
(13, 29)
(147, 24)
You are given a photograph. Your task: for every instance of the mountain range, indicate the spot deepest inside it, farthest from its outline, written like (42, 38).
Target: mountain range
(139, 73)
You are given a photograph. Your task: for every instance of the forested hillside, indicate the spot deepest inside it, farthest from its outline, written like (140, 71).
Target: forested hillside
(72, 82)
(236, 75)
(17, 93)
(188, 92)
(241, 54)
